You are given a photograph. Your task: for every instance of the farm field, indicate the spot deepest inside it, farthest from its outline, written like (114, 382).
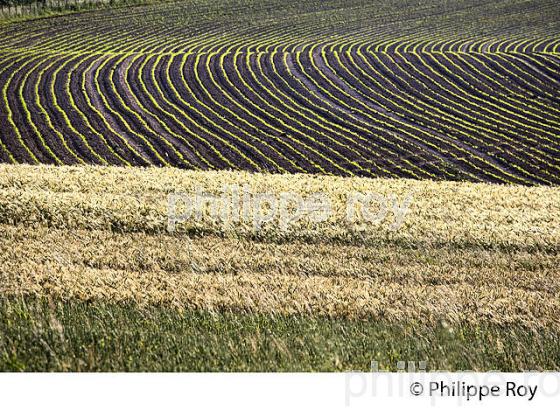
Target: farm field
(462, 90)
(91, 279)
(446, 111)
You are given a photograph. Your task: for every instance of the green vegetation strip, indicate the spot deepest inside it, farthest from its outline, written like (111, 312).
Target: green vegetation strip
(39, 334)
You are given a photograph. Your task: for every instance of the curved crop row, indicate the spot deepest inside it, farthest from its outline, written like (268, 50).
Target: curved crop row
(368, 89)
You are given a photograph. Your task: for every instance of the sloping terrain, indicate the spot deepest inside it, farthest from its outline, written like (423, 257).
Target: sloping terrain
(115, 123)
(462, 90)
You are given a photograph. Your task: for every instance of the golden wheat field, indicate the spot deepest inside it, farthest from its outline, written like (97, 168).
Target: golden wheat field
(465, 253)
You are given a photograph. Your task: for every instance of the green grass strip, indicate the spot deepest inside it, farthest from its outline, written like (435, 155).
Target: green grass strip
(45, 335)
